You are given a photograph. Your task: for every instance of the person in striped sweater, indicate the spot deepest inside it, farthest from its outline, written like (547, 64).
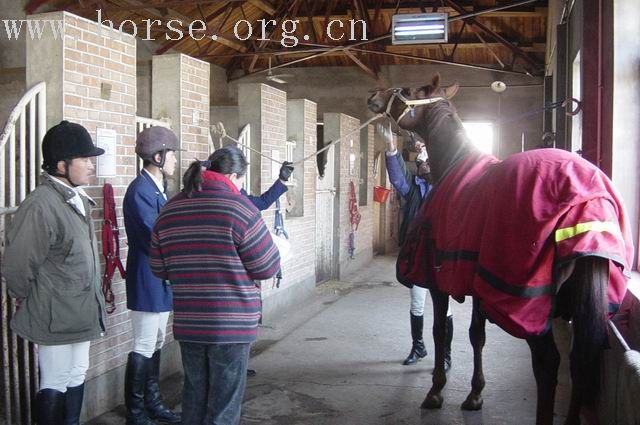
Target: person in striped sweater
(211, 243)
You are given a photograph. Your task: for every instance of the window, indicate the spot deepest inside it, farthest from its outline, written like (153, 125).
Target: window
(244, 140)
(576, 121)
(481, 135)
(291, 147)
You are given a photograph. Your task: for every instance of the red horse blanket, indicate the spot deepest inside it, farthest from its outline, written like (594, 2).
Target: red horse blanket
(500, 231)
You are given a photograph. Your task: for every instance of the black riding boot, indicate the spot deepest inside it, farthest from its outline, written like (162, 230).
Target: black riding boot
(447, 347)
(418, 349)
(134, 382)
(49, 407)
(152, 399)
(74, 398)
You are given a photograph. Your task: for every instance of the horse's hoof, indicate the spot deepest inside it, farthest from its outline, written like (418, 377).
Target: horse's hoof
(472, 403)
(432, 401)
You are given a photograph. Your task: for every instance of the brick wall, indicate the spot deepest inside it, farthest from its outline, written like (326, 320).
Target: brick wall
(194, 133)
(265, 108)
(339, 126)
(180, 92)
(301, 230)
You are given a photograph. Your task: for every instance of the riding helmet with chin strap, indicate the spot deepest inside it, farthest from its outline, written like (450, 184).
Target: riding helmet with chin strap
(155, 140)
(64, 142)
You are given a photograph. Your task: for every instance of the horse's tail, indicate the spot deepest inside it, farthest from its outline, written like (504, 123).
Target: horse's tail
(589, 325)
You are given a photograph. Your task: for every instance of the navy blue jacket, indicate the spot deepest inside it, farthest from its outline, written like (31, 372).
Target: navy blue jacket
(265, 200)
(413, 190)
(141, 206)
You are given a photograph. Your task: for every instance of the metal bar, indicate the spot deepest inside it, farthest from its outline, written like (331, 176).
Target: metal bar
(489, 10)
(12, 169)
(495, 35)
(4, 309)
(15, 378)
(422, 59)
(15, 113)
(561, 75)
(32, 145)
(22, 167)
(42, 121)
(26, 385)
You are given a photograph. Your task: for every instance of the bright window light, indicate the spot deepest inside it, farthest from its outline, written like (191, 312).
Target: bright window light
(481, 135)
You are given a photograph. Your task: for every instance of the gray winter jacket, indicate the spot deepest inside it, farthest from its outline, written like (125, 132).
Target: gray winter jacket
(51, 265)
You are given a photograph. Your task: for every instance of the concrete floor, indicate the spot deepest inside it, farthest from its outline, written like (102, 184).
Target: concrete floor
(338, 361)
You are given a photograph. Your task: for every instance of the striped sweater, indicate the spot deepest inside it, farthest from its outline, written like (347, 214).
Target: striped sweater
(212, 247)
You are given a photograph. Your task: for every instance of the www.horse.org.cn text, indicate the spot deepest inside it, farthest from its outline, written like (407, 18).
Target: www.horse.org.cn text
(243, 29)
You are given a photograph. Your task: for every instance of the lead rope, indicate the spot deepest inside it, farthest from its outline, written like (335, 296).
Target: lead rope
(221, 129)
(278, 229)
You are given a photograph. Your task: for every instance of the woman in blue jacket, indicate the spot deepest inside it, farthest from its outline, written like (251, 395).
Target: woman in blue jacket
(148, 297)
(414, 190)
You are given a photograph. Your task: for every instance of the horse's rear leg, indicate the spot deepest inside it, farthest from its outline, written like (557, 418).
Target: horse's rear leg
(546, 360)
(434, 398)
(478, 338)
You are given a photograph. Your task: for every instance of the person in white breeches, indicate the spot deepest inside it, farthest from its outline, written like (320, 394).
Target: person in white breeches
(413, 189)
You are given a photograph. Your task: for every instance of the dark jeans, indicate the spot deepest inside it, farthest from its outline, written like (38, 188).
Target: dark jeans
(215, 376)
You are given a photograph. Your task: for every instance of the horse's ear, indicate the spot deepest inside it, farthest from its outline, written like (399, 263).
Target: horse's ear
(451, 91)
(435, 83)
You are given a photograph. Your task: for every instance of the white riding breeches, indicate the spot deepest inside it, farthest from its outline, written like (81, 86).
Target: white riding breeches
(63, 366)
(149, 331)
(418, 296)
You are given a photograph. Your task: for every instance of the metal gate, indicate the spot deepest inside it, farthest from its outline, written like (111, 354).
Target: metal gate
(20, 159)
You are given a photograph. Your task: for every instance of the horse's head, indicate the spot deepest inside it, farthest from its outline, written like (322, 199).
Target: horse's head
(427, 112)
(407, 106)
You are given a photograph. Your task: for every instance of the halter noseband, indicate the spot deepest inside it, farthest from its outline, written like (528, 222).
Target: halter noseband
(410, 104)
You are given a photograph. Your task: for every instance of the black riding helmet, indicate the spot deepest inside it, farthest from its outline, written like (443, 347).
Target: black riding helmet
(64, 142)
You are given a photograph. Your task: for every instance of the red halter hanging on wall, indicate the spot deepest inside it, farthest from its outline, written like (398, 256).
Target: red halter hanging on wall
(110, 247)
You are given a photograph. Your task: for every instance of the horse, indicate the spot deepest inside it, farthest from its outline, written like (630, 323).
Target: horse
(539, 235)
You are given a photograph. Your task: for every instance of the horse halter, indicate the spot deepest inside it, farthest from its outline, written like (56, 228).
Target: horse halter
(410, 104)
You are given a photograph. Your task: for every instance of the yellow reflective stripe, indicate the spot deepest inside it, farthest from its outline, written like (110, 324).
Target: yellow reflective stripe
(591, 226)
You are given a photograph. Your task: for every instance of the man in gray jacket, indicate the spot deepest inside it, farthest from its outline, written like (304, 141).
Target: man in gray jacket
(52, 268)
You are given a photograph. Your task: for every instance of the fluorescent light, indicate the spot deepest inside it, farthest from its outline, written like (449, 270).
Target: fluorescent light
(421, 32)
(419, 28)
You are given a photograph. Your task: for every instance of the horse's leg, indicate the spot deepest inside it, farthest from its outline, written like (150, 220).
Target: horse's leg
(477, 337)
(588, 284)
(546, 360)
(434, 398)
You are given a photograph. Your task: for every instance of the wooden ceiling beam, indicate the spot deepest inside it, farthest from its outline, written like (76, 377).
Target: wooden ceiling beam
(540, 12)
(209, 19)
(34, 5)
(141, 6)
(361, 64)
(263, 5)
(515, 49)
(293, 52)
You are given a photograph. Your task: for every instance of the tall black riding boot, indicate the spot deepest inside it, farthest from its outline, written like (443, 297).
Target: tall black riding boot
(49, 407)
(74, 398)
(447, 347)
(134, 382)
(152, 399)
(418, 350)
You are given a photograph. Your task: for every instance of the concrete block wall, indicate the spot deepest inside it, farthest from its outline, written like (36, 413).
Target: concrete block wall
(338, 126)
(75, 69)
